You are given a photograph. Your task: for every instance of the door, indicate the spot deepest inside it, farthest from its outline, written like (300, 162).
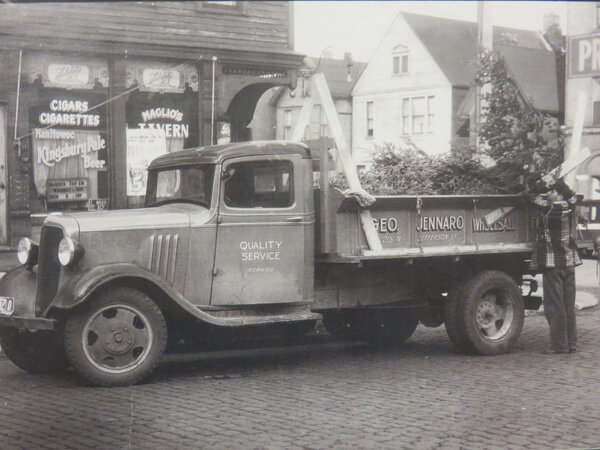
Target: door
(262, 232)
(3, 184)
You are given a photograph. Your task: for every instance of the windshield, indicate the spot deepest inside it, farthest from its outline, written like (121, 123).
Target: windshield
(192, 184)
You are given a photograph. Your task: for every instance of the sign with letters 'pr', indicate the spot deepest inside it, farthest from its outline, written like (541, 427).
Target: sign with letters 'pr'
(584, 56)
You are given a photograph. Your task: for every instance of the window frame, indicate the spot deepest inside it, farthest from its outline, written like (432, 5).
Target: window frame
(370, 119)
(400, 61)
(211, 180)
(408, 121)
(323, 124)
(265, 162)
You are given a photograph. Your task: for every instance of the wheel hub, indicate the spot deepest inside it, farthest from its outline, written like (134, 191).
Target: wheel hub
(120, 340)
(485, 313)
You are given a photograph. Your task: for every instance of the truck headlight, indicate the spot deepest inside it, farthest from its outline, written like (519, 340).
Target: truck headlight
(69, 251)
(27, 251)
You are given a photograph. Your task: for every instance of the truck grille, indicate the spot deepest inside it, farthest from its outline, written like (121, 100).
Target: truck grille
(48, 267)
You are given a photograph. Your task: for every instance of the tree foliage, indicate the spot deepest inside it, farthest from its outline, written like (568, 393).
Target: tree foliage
(515, 135)
(518, 138)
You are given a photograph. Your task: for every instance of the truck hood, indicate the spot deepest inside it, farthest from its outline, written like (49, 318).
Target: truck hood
(127, 219)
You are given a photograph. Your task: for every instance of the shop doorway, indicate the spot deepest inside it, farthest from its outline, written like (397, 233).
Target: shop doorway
(241, 110)
(3, 196)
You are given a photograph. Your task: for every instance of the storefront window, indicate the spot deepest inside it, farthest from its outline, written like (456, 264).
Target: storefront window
(156, 124)
(70, 150)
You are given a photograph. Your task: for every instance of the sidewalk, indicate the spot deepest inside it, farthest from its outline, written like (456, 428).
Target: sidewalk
(588, 287)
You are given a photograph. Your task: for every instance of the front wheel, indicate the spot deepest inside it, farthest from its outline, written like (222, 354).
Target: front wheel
(118, 339)
(486, 314)
(40, 352)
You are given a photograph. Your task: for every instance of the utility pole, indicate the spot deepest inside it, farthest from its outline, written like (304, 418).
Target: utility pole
(485, 36)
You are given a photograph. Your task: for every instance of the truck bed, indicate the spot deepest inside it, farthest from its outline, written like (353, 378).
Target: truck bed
(411, 226)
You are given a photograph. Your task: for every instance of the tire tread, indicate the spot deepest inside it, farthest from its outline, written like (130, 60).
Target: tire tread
(72, 338)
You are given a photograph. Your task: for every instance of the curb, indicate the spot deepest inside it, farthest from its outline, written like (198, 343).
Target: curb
(584, 301)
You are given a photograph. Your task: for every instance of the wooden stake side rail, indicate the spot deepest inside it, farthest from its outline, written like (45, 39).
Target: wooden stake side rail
(486, 249)
(428, 226)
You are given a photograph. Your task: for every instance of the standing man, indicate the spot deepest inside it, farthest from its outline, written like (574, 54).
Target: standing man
(556, 257)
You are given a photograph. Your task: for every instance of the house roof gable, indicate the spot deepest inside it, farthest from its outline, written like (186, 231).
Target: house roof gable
(336, 74)
(453, 45)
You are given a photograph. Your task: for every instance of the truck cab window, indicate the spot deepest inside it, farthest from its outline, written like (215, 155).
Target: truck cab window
(260, 184)
(185, 185)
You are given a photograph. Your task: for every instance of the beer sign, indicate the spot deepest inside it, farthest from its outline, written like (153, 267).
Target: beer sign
(66, 190)
(584, 56)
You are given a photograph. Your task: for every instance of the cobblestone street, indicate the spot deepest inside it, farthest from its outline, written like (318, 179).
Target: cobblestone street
(332, 395)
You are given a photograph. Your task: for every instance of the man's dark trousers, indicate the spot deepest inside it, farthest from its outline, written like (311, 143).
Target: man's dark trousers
(559, 307)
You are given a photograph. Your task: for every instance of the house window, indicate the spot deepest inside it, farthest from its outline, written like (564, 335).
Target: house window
(418, 115)
(370, 132)
(287, 124)
(406, 116)
(419, 110)
(324, 131)
(315, 122)
(430, 114)
(596, 118)
(400, 60)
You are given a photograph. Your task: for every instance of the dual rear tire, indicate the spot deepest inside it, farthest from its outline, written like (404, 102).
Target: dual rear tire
(485, 314)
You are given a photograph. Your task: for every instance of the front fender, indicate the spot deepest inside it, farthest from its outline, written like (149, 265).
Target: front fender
(79, 288)
(20, 283)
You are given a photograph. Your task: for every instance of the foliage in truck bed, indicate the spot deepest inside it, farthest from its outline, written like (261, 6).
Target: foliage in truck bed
(408, 170)
(411, 171)
(520, 140)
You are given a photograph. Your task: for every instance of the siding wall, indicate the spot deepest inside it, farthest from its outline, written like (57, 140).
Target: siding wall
(257, 26)
(386, 90)
(342, 106)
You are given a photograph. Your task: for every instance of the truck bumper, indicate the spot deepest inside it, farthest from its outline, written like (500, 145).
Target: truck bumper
(20, 284)
(31, 323)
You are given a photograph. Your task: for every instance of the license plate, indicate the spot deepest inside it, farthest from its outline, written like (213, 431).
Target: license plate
(7, 306)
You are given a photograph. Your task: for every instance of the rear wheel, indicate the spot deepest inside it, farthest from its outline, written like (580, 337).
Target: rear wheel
(486, 314)
(38, 352)
(118, 339)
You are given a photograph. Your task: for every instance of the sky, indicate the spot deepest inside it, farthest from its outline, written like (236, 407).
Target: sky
(358, 26)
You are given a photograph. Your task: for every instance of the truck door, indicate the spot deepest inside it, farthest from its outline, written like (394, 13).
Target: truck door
(264, 236)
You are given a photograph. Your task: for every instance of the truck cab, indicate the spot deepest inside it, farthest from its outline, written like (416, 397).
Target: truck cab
(226, 238)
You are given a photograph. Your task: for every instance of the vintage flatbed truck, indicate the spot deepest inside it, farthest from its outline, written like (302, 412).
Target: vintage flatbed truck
(240, 236)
